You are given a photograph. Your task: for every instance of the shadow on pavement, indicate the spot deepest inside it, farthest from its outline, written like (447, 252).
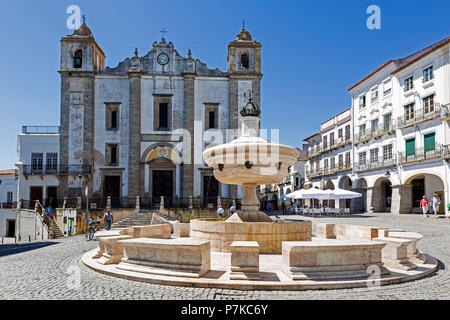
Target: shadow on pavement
(9, 249)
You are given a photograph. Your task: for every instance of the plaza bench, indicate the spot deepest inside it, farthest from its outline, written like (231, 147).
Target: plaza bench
(321, 259)
(180, 257)
(244, 260)
(395, 253)
(413, 254)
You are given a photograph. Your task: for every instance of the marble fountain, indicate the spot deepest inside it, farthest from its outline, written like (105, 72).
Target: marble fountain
(251, 250)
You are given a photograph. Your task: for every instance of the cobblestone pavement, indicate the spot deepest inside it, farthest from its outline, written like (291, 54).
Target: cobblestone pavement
(40, 271)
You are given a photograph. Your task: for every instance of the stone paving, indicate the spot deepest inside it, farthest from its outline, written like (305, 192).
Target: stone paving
(53, 270)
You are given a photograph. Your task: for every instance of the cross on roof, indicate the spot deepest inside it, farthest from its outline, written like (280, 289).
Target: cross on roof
(243, 24)
(84, 18)
(163, 31)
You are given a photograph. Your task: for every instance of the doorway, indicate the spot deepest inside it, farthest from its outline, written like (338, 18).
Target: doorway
(35, 194)
(52, 193)
(418, 190)
(112, 189)
(10, 228)
(162, 185)
(210, 190)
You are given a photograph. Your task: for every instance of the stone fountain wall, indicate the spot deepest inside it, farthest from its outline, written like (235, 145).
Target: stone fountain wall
(269, 235)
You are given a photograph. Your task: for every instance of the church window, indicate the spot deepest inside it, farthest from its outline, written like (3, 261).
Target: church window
(244, 61)
(111, 154)
(78, 59)
(112, 116)
(211, 119)
(164, 115)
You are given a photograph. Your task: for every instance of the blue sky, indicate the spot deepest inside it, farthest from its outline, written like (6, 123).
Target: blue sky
(312, 50)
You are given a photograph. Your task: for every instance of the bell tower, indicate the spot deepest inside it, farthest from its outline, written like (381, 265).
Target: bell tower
(244, 73)
(81, 59)
(244, 55)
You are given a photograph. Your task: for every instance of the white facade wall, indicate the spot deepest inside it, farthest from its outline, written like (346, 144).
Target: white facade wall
(26, 145)
(8, 183)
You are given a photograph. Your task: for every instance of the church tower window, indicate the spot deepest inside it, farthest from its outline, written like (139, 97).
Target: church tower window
(163, 116)
(244, 61)
(78, 59)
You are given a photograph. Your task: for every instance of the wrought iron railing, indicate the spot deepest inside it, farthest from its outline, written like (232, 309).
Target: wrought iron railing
(40, 129)
(374, 164)
(58, 169)
(428, 113)
(379, 131)
(421, 154)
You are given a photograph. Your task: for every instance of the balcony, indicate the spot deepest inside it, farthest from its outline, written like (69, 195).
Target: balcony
(434, 111)
(314, 151)
(339, 142)
(420, 154)
(374, 165)
(61, 169)
(445, 112)
(40, 129)
(328, 170)
(314, 173)
(379, 131)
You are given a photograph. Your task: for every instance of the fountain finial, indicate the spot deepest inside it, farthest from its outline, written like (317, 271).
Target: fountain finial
(250, 109)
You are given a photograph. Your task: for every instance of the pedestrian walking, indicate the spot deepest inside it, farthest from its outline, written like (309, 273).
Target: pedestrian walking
(220, 212)
(436, 202)
(232, 210)
(283, 206)
(269, 208)
(424, 205)
(109, 218)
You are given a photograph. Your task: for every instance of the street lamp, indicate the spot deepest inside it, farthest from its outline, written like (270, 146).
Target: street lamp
(387, 174)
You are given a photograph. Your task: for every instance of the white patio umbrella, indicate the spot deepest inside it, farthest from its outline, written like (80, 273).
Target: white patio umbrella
(344, 194)
(312, 193)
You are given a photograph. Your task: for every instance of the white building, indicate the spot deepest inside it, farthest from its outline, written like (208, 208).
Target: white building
(8, 188)
(293, 181)
(400, 114)
(399, 122)
(38, 153)
(330, 155)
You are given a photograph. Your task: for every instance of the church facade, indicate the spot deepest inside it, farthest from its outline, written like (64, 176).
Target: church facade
(139, 129)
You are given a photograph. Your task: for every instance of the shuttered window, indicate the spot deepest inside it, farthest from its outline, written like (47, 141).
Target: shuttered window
(429, 142)
(410, 147)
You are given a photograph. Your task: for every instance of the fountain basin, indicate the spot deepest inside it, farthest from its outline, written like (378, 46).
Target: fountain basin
(269, 235)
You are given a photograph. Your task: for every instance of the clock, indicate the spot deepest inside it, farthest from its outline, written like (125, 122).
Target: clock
(163, 59)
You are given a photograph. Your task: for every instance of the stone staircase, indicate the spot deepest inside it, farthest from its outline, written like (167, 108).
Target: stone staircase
(53, 230)
(136, 219)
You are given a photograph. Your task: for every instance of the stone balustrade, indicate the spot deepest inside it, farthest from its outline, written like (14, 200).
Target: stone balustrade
(244, 260)
(179, 257)
(331, 259)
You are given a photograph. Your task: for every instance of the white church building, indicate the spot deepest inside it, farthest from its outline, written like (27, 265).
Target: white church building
(139, 129)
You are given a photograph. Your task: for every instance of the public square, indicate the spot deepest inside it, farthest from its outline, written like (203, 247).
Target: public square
(41, 273)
